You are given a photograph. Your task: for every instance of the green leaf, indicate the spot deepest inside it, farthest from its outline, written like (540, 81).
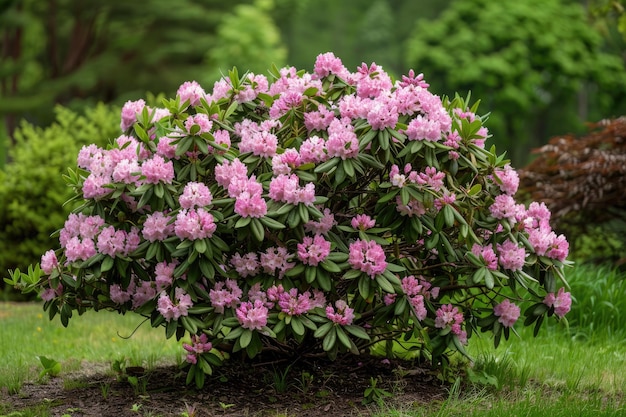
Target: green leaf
(384, 284)
(364, 286)
(330, 339)
(271, 223)
(323, 330)
(257, 229)
(343, 337)
(245, 338)
(107, 264)
(297, 326)
(357, 331)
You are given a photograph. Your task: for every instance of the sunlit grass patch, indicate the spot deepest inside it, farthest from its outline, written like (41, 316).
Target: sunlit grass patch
(96, 337)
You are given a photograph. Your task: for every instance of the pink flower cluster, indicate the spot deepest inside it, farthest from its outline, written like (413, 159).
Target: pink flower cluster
(84, 236)
(157, 227)
(417, 290)
(535, 220)
(507, 313)
(367, 256)
(286, 189)
(252, 315)
(341, 313)
(194, 224)
(313, 250)
(511, 256)
(174, 310)
(199, 345)
(362, 222)
(487, 255)
(275, 261)
(195, 194)
(292, 303)
(561, 302)
(247, 192)
(323, 225)
(129, 163)
(448, 316)
(257, 138)
(49, 262)
(225, 294)
(139, 291)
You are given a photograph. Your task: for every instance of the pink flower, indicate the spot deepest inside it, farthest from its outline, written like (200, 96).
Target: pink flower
(423, 128)
(126, 171)
(487, 254)
(504, 207)
(561, 303)
(77, 249)
(199, 345)
(323, 226)
(157, 170)
(511, 256)
(288, 100)
(448, 316)
(192, 91)
(285, 162)
(362, 222)
(275, 260)
(157, 227)
(413, 208)
(313, 150)
(372, 81)
(164, 274)
(313, 250)
(49, 262)
(142, 292)
(195, 194)
(130, 110)
(446, 199)
(507, 312)
(246, 265)
(112, 242)
(201, 120)
(293, 304)
(382, 113)
(507, 179)
(328, 63)
(250, 205)
(225, 294)
(417, 291)
(342, 142)
(368, 257)
(194, 224)
(252, 316)
(118, 295)
(318, 120)
(170, 310)
(343, 315)
(286, 188)
(258, 141)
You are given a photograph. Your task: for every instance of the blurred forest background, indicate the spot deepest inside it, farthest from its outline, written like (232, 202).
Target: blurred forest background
(540, 68)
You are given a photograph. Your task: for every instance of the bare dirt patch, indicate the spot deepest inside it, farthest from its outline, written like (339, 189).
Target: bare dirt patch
(304, 389)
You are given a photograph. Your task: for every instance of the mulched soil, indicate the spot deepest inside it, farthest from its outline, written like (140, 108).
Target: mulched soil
(303, 389)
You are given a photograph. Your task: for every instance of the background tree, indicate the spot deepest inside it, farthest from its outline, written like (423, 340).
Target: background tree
(535, 64)
(79, 53)
(357, 30)
(248, 39)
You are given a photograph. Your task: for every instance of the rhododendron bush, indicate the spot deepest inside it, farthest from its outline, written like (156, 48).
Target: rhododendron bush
(306, 214)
